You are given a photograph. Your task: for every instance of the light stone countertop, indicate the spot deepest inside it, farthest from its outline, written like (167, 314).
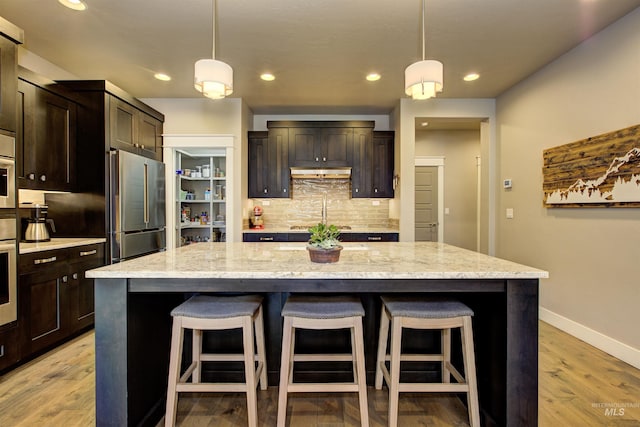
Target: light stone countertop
(273, 260)
(58, 243)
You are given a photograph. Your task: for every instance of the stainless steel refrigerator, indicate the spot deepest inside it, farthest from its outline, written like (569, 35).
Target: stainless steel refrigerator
(137, 206)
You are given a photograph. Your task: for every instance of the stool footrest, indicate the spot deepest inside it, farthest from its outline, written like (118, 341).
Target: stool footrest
(418, 358)
(322, 387)
(322, 357)
(205, 357)
(204, 387)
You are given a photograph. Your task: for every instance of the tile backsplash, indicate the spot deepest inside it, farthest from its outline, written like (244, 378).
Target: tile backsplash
(305, 206)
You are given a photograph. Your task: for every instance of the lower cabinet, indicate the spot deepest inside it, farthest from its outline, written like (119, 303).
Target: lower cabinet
(9, 346)
(55, 298)
(304, 237)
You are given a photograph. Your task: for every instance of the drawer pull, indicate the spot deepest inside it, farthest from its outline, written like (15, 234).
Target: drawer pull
(92, 252)
(44, 260)
(264, 239)
(374, 238)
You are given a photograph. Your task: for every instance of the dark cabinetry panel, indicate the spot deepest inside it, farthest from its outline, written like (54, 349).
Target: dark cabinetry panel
(56, 299)
(9, 346)
(304, 237)
(133, 130)
(373, 165)
(320, 147)
(268, 164)
(8, 81)
(45, 138)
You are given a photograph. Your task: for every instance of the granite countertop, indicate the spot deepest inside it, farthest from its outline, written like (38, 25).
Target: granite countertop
(384, 260)
(58, 243)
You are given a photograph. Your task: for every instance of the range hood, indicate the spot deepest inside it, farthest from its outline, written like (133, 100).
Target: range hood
(310, 172)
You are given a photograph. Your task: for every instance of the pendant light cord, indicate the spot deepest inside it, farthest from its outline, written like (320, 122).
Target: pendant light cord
(213, 25)
(424, 29)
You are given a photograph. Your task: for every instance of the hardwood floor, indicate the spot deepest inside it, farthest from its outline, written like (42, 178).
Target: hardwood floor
(579, 386)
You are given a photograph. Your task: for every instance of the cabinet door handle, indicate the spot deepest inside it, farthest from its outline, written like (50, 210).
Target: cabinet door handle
(357, 190)
(284, 190)
(31, 177)
(324, 159)
(265, 191)
(43, 178)
(375, 190)
(266, 239)
(44, 260)
(317, 159)
(374, 238)
(91, 252)
(65, 279)
(75, 276)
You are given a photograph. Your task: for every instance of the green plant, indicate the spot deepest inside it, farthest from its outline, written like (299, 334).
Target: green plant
(324, 236)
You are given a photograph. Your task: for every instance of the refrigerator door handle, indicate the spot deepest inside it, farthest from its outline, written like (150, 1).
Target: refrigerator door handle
(146, 193)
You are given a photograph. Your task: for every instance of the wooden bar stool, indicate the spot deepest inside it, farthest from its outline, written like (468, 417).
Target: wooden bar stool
(207, 313)
(421, 313)
(326, 312)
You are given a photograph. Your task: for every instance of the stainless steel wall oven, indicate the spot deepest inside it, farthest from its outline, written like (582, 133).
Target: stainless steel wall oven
(8, 273)
(7, 172)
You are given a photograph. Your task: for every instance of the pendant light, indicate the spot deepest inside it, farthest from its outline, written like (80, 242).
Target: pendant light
(423, 79)
(212, 77)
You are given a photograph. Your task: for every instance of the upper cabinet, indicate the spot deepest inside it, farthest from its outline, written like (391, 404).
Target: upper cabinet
(372, 175)
(320, 146)
(268, 171)
(45, 136)
(10, 36)
(133, 130)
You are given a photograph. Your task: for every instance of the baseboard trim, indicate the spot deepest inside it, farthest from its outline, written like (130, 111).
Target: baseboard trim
(617, 349)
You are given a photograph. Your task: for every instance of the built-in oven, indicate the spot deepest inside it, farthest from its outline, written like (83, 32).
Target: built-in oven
(7, 172)
(8, 273)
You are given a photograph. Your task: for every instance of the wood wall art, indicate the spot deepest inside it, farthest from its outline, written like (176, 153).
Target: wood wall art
(601, 171)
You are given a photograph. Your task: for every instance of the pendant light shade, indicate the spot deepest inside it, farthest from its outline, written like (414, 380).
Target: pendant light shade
(212, 77)
(423, 79)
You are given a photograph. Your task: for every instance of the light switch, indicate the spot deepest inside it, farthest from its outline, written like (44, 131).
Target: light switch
(509, 213)
(446, 211)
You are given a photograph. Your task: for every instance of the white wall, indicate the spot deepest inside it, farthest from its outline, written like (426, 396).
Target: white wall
(591, 253)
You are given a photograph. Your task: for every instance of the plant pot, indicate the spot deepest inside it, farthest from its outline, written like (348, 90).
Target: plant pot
(324, 255)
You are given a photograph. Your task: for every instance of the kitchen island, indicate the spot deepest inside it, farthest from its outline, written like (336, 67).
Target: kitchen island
(134, 298)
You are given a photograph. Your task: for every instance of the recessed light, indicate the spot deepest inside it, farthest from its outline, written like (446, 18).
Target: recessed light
(73, 4)
(424, 124)
(267, 77)
(373, 77)
(471, 77)
(162, 76)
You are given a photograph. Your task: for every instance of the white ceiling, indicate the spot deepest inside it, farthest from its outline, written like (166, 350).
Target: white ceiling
(319, 50)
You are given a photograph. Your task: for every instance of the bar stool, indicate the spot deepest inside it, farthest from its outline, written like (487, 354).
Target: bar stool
(422, 313)
(206, 313)
(326, 312)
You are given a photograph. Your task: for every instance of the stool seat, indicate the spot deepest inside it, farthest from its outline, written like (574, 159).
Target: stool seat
(214, 307)
(330, 307)
(432, 308)
(320, 313)
(438, 313)
(213, 313)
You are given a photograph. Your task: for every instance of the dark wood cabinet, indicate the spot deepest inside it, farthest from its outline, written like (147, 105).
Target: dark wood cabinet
(45, 139)
(304, 237)
(10, 35)
(268, 170)
(9, 346)
(56, 299)
(373, 159)
(320, 147)
(133, 130)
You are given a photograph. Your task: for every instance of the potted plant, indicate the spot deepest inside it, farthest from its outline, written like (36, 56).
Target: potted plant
(324, 246)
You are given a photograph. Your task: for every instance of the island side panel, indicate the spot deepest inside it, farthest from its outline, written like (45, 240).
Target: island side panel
(111, 352)
(522, 352)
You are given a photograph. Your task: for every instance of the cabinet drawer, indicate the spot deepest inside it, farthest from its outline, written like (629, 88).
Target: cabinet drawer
(265, 237)
(38, 261)
(87, 253)
(369, 237)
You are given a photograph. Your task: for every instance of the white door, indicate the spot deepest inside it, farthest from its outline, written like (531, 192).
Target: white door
(426, 200)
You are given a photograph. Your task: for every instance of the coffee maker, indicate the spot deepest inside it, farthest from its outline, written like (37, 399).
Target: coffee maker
(35, 228)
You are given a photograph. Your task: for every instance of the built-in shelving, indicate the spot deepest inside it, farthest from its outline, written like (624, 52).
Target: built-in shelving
(201, 197)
